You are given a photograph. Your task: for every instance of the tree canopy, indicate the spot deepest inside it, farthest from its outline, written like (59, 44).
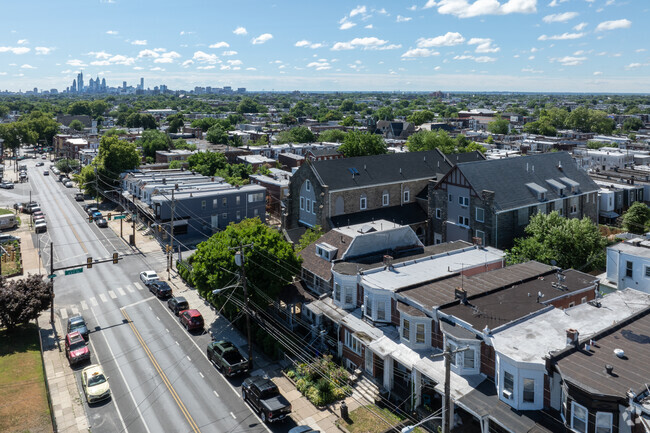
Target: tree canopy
(76, 125)
(23, 300)
(499, 126)
(114, 157)
(357, 143)
(311, 235)
(207, 163)
(153, 140)
(572, 243)
(637, 217)
(332, 136)
(429, 140)
(299, 134)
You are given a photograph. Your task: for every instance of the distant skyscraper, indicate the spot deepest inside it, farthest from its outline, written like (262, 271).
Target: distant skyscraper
(80, 81)
(103, 85)
(74, 86)
(123, 85)
(142, 83)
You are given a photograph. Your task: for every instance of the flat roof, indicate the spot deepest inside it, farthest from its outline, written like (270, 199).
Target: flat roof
(497, 308)
(533, 339)
(627, 247)
(442, 292)
(413, 272)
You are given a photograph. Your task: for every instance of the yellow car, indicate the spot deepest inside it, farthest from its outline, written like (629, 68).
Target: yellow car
(95, 383)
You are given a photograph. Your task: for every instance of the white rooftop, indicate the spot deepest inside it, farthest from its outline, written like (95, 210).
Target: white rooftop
(533, 339)
(421, 270)
(378, 226)
(629, 247)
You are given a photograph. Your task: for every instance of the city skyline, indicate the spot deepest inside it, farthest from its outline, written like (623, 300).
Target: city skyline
(451, 45)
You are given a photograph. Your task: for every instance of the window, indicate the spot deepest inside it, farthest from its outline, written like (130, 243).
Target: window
(469, 358)
(203, 204)
(419, 333)
(237, 200)
(481, 234)
(224, 216)
(480, 214)
(238, 215)
(647, 271)
(629, 268)
(302, 203)
(258, 196)
(578, 417)
(583, 300)
(522, 216)
(463, 201)
(529, 390)
(352, 342)
(313, 207)
(255, 212)
(363, 202)
(224, 201)
(368, 305)
(385, 199)
(463, 221)
(572, 304)
(337, 292)
(348, 295)
(406, 329)
(381, 310)
(508, 382)
(438, 213)
(214, 203)
(307, 185)
(604, 422)
(407, 196)
(307, 204)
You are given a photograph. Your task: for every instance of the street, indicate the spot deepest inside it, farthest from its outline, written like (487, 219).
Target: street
(159, 375)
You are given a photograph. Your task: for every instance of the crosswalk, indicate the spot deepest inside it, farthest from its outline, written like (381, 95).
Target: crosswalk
(94, 301)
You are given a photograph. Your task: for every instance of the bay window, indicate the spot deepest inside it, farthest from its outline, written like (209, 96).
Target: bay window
(579, 416)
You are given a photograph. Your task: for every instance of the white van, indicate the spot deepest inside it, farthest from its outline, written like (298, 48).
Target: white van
(8, 222)
(40, 227)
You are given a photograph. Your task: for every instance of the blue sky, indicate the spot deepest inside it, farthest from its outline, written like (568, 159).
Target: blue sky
(423, 45)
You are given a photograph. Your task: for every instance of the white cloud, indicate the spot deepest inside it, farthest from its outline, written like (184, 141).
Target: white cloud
(187, 63)
(640, 50)
(160, 50)
(15, 50)
(308, 44)
(183, 33)
(26, 66)
(206, 67)
(628, 67)
(467, 9)
(241, 31)
(138, 68)
(598, 73)
(369, 26)
(167, 57)
(613, 25)
(347, 25)
(531, 57)
(580, 27)
(75, 62)
(560, 18)
(319, 66)
(369, 43)
(122, 60)
(562, 37)
(419, 52)
(202, 57)
(251, 69)
(532, 71)
(447, 40)
(147, 53)
(569, 60)
(412, 8)
(229, 53)
(480, 59)
(111, 32)
(100, 63)
(429, 4)
(555, 3)
(157, 68)
(43, 50)
(221, 44)
(483, 45)
(100, 54)
(401, 19)
(139, 42)
(264, 37)
(359, 10)
(235, 62)
(22, 42)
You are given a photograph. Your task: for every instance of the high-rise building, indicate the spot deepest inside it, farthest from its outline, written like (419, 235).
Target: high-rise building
(74, 86)
(103, 85)
(80, 81)
(142, 83)
(124, 85)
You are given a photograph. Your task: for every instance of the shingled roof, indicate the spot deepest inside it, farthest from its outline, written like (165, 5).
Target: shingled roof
(364, 171)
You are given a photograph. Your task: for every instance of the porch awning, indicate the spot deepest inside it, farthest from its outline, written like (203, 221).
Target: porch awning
(609, 214)
(434, 369)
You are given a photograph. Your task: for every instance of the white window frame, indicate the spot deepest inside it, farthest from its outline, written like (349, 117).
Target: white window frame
(385, 199)
(352, 342)
(419, 326)
(348, 296)
(438, 213)
(307, 205)
(363, 202)
(307, 185)
(337, 292)
(313, 207)
(503, 385)
(482, 219)
(607, 428)
(463, 201)
(407, 195)
(463, 221)
(406, 329)
(302, 203)
(573, 417)
(523, 391)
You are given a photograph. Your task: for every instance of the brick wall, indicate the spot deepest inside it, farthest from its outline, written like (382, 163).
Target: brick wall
(576, 298)
(488, 360)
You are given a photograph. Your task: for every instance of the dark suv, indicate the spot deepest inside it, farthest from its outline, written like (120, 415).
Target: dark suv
(77, 323)
(178, 304)
(265, 398)
(161, 289)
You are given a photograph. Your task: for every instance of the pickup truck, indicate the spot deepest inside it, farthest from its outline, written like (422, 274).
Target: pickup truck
(225, 356)
(264, 396)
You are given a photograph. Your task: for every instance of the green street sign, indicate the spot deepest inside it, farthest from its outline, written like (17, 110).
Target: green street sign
(74, 271)
(51, 276)
(119, 217)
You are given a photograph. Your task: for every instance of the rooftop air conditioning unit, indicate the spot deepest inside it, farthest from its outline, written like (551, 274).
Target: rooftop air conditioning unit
(507, 394)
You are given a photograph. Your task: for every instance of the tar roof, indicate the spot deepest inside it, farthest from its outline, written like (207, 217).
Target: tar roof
(442, 292)
(508, 304)
(410, 213)
(508, 178)
(586, 369)
(378, 169)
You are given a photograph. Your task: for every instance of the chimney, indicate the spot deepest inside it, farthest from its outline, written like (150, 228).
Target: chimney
(460, 293)
(572, 337)
(388, 261)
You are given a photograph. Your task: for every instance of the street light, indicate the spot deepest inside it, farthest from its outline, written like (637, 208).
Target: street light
(410, 428)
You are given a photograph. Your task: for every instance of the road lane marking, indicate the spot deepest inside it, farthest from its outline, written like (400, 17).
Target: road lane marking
(161, 373)
(188, 358)
(93, 301)
(177, 343)
(166, 329)
(75, 311)
(128, 389)
(64, 313)
(121, 291)
(201, 374)
(157, 317)
(138, 285)
(140, 302)
(215, 393)
(130, 289)
(233, 415)
(103, 297)
(112, 294)
(84, 306)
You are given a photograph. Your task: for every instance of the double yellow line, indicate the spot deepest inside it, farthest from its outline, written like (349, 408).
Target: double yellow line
(164, 378)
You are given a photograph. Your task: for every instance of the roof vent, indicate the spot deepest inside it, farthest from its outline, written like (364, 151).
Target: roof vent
(609, 369)
(619, 352)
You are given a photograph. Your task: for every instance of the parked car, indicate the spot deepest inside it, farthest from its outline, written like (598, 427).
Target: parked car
(178, 304)
(95, 383)
(46, 173)
(148, 277)
(40, 227)
(91, 210)
(79, 196)
(191, 319)
(68, 184)
(76, 348)
(264, 396)
(8, 221)
(77, 323)
(161, 289)
(40, 164)
(97, 215)
(7, 184)
(102, 223)
(226, 357)
(303, 429)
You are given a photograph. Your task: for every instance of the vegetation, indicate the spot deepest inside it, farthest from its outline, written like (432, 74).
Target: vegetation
(499, 126)
(572, 243)
(114, 157)
(322, 381)
(67, 165)
(371, 419)
(357, 143)
(440, 139)
(592, 144)
(637, 218)
(300, 134)
(22, 300)
(12, 260)
(76, 125)
(153, 140)
(332, 136)
(311, 235)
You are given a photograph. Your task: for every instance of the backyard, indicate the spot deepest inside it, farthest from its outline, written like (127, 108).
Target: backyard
(371, 419)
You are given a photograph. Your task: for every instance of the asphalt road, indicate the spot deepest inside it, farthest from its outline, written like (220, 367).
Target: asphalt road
(160, 379)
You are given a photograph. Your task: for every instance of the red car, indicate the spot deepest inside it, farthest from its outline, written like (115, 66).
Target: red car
(191, 319)
(76, 348)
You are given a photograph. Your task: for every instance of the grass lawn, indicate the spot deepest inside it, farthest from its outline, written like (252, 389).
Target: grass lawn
(362, 420)
(23, 399)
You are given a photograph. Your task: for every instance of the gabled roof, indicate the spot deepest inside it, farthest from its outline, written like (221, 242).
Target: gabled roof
(509, 178)
(363, 171)
(458, 158)
(318, 265)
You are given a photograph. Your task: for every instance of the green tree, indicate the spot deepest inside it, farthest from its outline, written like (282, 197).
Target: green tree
(42, 124)
(23, 300)
(147, 121)
(67, 165)
(578, 119)
(249, 105)
(114, 132)
(349, 121)
(600, 123)
(176, 123)
(181, 144)
(311, 235)
(332, 136)
(637, 217)
(357, 143)
(300, 134)
(288, 119)
(420, 117)
(347, 106)
(4, 111)
(429, 140)
(205, 123)
(98, 108)
(572, 243)
(76, 125)
(153, 140)
(270, 263)
(384, 113)
(114, 157)
(217, 135)
(632, 124)
(499, 126)
(207, 163)
(79, 108)
(175, 164)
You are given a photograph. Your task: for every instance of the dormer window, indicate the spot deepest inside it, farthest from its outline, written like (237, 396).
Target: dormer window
(573, 186)
(538, 190)
(557, 186)
(326, 251)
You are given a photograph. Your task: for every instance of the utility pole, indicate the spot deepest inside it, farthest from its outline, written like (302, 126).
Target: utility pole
(170, 254)
(240, 261)
(446, 407)
(133, 225)
(52, 283)
(96, 188)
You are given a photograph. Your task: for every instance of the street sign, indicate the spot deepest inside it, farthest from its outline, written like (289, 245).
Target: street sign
(51, 276)
(74, 271)
(119, 217)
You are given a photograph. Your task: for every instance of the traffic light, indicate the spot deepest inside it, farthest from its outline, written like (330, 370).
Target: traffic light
(109, 216)
(114, 257)
(89, 262)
